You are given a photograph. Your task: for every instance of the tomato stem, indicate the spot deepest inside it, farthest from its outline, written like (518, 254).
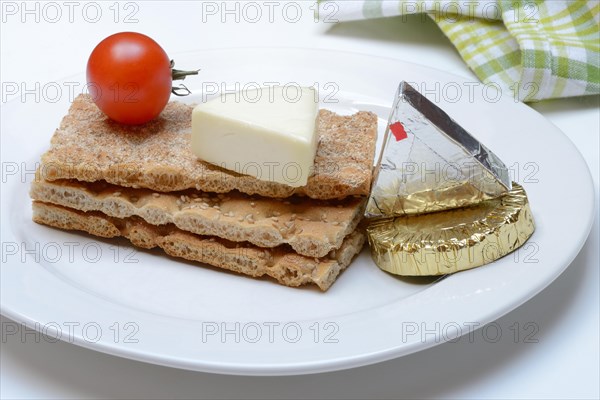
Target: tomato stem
(178, 74)
(180, 90)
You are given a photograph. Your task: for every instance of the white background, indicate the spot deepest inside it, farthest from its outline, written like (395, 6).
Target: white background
(564, 363)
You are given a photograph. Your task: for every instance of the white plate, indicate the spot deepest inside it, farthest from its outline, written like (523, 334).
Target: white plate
(107, 296)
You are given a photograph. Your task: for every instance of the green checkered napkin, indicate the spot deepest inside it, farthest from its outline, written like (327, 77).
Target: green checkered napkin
(532, 49)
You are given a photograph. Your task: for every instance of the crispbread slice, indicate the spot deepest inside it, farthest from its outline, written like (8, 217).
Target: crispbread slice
(281, 263)
(311, 227)
(90, 147)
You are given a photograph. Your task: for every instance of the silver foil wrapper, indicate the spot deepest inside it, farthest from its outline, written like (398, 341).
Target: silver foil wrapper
(428, 162)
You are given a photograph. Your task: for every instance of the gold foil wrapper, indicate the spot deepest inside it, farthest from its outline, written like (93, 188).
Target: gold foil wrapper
(429, 163)
(454, 240)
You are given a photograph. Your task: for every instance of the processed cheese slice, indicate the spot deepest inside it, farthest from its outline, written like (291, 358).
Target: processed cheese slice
(268, 133)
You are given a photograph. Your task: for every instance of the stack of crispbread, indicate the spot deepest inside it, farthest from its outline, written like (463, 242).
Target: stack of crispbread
(144, 183)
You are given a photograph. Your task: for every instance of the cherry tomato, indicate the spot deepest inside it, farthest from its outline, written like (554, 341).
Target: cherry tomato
(130, 77)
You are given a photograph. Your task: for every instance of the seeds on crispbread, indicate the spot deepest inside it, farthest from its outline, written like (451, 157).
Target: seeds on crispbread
(311, 227)
(281, 263)
(90, 147)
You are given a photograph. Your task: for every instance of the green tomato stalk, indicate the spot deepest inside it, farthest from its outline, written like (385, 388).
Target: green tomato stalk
(176, 75)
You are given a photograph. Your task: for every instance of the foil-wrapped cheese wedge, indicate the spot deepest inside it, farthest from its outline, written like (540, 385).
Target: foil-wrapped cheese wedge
(453, 240)
(428, 162)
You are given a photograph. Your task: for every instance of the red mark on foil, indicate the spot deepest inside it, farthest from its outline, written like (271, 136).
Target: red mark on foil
(398, 131)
